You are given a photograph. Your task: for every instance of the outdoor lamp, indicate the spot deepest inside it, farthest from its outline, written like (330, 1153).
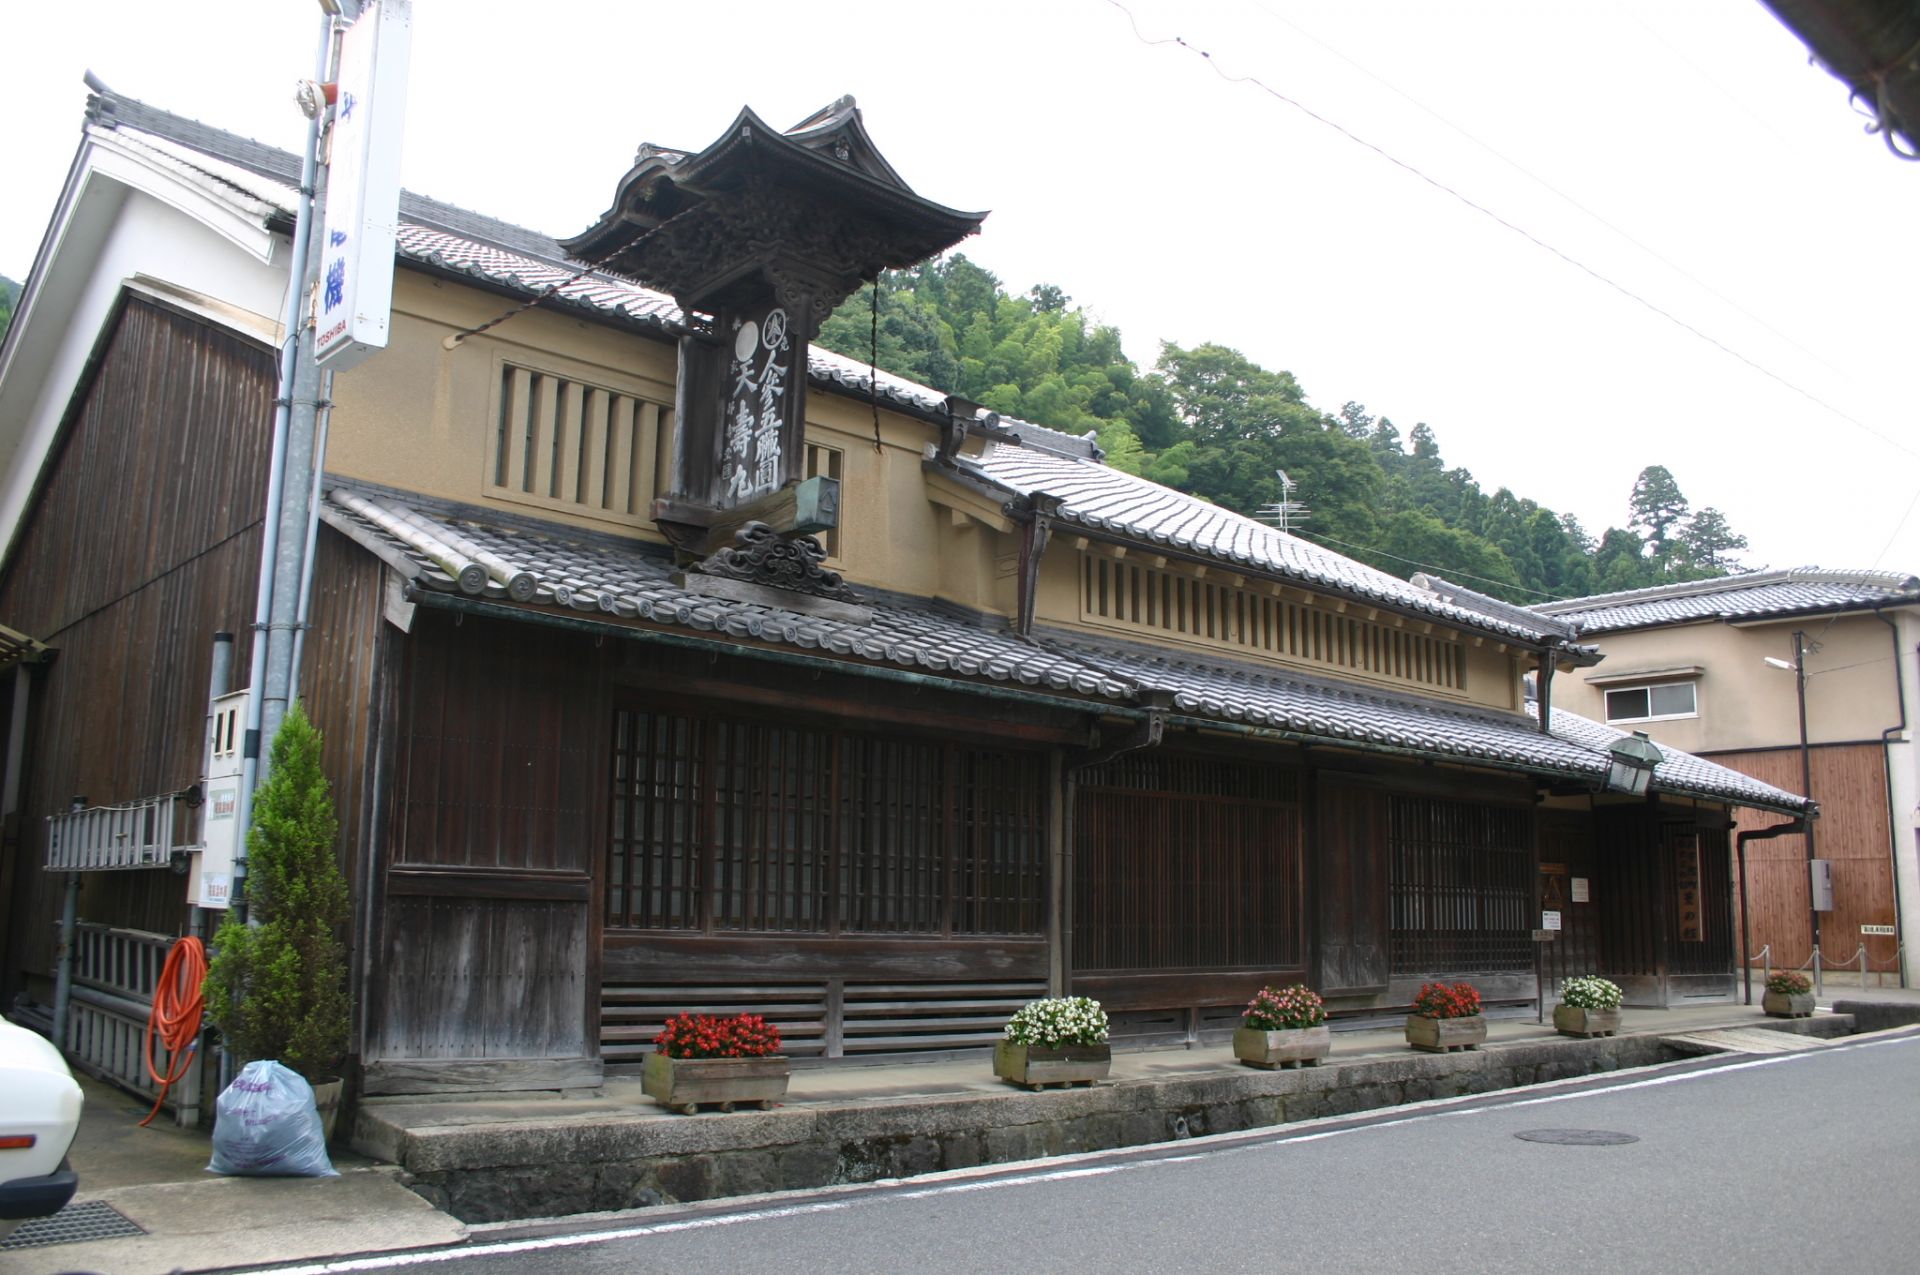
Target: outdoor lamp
(1632, 759)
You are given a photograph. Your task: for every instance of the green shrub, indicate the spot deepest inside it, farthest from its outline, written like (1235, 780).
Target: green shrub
(277, 988)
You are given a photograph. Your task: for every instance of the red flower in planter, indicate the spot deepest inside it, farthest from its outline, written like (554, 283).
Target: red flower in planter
(1447, 1000)
(704, 1036)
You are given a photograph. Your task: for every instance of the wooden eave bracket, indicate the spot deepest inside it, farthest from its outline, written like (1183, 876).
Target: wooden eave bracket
(951, 490)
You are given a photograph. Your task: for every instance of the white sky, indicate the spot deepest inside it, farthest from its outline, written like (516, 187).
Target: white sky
(1180, 206)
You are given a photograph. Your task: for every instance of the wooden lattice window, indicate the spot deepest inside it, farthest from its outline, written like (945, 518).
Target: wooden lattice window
(1116, 592)
(1188, 863)
(1462, 886)
(563, 443)
(743, 826)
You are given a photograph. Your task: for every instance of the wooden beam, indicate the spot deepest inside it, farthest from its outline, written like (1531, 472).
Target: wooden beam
(797, 509)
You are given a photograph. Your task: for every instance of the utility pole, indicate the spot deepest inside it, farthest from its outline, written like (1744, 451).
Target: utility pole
(1806, 781)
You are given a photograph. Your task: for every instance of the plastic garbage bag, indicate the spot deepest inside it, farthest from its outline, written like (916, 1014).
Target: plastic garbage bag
(265, 1125)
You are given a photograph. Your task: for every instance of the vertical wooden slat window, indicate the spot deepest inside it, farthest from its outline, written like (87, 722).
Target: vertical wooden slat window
(769, 813)
(1187, 863)
(566, 444)
(893, 857)
(749, 826)
(1001, 840)
(654, 869)
(1462, 887)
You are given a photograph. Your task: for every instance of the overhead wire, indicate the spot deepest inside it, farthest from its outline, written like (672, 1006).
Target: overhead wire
(1546, 185)
(1599, 277)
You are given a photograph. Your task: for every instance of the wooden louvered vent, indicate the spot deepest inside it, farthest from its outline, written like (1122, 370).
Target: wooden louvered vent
(564, 444)
(1139, 598)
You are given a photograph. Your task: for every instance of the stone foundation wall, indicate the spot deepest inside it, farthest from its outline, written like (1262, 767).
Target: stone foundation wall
(527, 1169)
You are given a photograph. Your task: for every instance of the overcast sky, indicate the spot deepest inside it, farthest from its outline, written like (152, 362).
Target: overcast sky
(1686, 250)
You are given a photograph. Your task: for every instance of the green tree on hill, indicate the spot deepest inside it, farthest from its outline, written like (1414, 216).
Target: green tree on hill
(1208, 420)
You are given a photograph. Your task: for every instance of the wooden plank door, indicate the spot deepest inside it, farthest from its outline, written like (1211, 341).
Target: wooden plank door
(1351, 871)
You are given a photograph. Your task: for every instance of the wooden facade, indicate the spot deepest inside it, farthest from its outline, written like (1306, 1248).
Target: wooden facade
(142, 544)
(569, 811)
(1850, 782)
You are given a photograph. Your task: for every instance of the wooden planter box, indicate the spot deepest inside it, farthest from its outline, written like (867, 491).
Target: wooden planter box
(1288, 1047)
(1444, 1035)
(1569, 1021)
(682, 1084)
(1788, 1004)
(1037, 1067)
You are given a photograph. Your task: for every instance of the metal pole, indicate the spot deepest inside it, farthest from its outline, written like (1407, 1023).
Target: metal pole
(1746, 921)
(323, 417)
(1806, 787)
(305, 231)
(63, 974)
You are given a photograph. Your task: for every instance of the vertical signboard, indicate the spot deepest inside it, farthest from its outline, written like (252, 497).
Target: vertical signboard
(353, 305)
(1686, 880)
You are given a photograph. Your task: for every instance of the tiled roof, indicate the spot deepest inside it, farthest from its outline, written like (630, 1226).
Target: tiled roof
(1757, 595)
(443, 237)
(627, 584)
(452, 551)
(1105, 499)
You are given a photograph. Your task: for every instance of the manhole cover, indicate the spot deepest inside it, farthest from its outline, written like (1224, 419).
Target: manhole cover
(1577, 1137)
(75, 1224)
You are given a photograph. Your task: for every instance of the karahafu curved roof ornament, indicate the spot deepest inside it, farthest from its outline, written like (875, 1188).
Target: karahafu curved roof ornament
(692, 223)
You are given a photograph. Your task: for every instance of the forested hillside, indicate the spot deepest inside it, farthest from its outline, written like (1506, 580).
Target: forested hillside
(1210, 421)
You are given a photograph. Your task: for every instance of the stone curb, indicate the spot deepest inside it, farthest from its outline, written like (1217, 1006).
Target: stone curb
(542, 1167)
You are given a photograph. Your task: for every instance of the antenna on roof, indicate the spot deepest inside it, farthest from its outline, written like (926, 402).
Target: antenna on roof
(1285, 512)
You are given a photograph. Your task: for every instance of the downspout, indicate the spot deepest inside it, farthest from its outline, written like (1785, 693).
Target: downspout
(1543, 690)
(1893, 816)
(1740, 840)
(1036, 512)
(1146, 733)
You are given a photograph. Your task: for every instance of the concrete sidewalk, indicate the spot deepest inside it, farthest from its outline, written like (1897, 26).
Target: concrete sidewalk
(493, 1157)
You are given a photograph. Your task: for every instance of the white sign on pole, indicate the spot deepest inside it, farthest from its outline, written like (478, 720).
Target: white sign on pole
(355, 300)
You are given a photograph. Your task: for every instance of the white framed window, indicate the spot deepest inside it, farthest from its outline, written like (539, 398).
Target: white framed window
(1652, 703)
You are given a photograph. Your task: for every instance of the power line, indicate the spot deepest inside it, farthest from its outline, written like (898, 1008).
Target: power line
(1521, 231)
(1549, 187)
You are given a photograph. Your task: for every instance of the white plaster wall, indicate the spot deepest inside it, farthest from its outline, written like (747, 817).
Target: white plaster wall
(111, 228)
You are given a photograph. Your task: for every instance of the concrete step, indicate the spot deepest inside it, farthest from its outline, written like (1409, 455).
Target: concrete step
(1742, 1040)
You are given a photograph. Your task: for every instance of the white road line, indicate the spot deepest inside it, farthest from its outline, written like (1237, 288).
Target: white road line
(1278, 1138)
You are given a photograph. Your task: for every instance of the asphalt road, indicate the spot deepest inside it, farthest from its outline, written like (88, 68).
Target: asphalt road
(1797, 1162)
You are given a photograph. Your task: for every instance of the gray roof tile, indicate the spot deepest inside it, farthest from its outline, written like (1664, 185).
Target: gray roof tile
(1756, 595)
(623, 583)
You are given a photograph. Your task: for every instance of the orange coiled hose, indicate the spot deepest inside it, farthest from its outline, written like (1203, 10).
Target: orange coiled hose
(176, 1015)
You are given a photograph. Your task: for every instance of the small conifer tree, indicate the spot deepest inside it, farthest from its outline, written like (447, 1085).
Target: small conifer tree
(277, 988)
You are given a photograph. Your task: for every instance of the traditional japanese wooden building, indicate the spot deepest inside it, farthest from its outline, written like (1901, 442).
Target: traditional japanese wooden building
(666, 662)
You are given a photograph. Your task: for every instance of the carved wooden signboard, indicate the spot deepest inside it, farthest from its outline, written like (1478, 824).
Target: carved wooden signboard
(758, 237)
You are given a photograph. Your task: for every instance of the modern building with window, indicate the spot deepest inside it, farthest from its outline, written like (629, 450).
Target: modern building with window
(1780, 674)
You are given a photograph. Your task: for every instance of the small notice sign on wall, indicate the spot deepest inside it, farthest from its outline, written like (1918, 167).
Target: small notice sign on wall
(1877, 929)
(1686, 879)
(1549, 920)
(1580, 890)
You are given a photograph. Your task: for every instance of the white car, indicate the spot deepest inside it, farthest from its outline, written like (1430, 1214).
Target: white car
(39, 1114)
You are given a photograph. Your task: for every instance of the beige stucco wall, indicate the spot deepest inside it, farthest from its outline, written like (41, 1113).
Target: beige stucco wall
(1743, 701)
(425, 417)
